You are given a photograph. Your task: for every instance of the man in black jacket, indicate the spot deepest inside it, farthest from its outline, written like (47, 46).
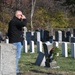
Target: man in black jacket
(15, 33)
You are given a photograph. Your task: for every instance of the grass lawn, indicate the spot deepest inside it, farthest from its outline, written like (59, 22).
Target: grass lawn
(28, 67)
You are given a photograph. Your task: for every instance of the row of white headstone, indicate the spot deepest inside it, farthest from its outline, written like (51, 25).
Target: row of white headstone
(64, 47)
(40, 47)
(32, 46)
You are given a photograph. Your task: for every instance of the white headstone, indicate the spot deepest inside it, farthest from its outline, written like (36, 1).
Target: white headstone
(6, 40)
(60, 36)
(25, 46)
(38, 36)
(24, 32)
(40, 61)
(73, 50)
(64, 49)
(32, 46)
(56, 44)
(47, 46)
(7, 59)
(39, 46)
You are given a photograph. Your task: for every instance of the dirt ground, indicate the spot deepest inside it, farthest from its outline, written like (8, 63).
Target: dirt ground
(34, 72)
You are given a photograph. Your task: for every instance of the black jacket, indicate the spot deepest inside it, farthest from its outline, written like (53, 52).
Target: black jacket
(15, 33)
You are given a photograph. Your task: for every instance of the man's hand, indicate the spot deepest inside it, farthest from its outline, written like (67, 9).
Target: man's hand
(23, 17)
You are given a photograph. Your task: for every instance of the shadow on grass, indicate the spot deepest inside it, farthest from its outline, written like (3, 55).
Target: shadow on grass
(42, 72)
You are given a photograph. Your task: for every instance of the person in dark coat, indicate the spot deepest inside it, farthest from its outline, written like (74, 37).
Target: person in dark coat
(15, 33)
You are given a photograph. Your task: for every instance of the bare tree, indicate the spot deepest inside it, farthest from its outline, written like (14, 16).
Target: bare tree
(32, 12)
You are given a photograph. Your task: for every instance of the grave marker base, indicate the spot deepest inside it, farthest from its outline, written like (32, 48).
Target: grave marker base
(52, 64)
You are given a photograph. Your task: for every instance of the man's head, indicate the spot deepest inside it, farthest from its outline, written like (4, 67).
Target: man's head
(18, 14)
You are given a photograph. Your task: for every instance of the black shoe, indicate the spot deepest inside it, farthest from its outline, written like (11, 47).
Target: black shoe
(19, 73)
